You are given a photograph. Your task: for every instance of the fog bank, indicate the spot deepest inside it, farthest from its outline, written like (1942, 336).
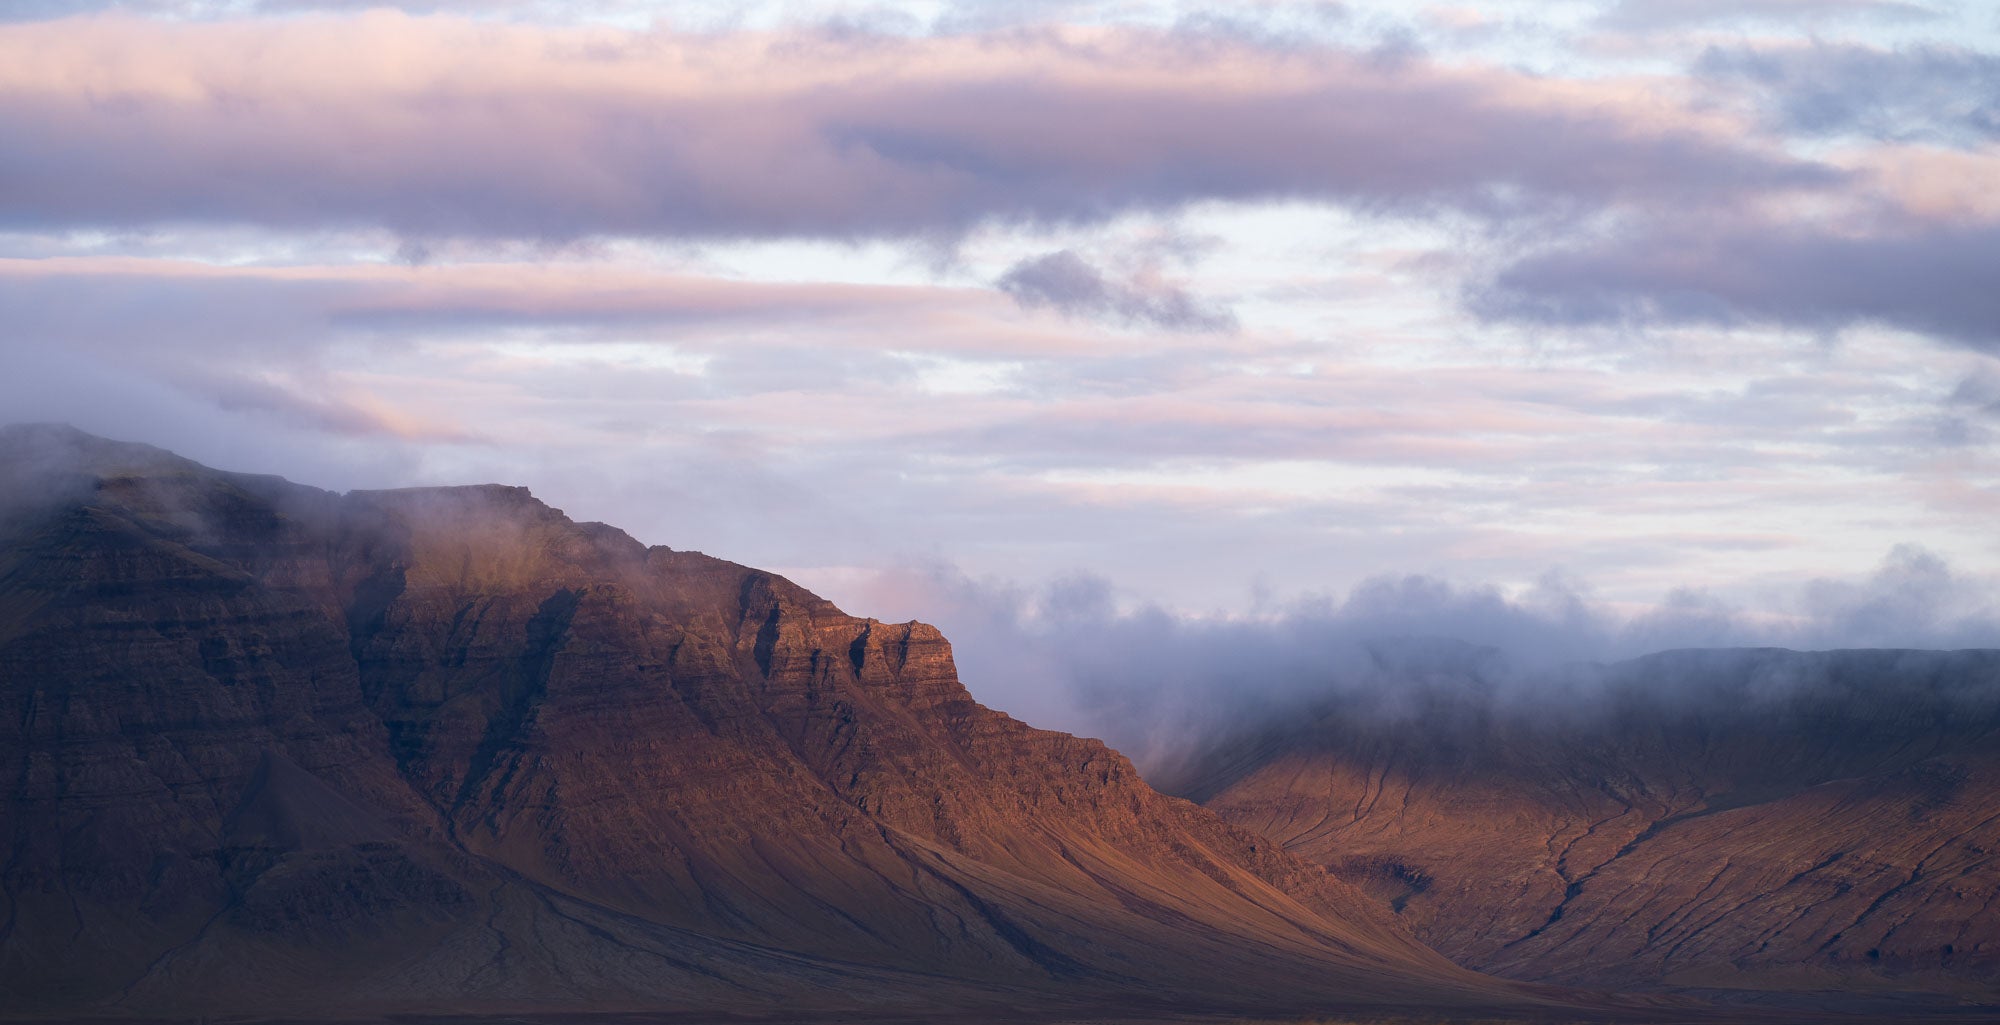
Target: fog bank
(1068, 655)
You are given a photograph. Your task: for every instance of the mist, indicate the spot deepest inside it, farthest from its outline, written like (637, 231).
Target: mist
(1156, 683)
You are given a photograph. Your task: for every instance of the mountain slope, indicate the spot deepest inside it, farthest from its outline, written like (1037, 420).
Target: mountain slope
(275, 750)
(1725, 820)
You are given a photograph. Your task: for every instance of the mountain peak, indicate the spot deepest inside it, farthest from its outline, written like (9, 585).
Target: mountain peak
(36, 450)
(445, 746)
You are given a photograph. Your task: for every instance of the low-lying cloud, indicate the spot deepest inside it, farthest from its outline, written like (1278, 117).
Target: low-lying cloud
(1150, 681)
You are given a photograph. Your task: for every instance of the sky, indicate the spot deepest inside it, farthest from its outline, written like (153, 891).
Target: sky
(1586, 326)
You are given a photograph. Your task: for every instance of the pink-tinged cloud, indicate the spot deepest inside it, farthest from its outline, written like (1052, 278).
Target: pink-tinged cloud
(446, 127)
(128, 302)
(324, 406)
(289, 341)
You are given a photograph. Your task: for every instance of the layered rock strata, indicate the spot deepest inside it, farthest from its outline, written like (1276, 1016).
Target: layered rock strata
(273, 750)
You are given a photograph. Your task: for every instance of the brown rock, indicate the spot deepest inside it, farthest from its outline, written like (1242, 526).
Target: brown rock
(272, 749)
(1710, 820)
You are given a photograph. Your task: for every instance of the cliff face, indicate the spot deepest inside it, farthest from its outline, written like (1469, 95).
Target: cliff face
(270, 750)
(1725, 820)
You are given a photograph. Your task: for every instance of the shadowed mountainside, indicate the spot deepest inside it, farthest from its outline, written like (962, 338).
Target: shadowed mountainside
(1718, 820)
(273, 750)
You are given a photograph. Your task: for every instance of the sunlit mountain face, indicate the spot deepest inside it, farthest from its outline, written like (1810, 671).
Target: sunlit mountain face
(280, 752)
(1301, 397)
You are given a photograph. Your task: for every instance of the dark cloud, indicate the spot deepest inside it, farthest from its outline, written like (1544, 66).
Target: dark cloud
(1065, 282)
(1930, 93)
(514, 133)
(1936, 280)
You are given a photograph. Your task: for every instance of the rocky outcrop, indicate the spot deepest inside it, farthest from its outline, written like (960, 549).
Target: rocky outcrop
(273, 750)
(1754, 820)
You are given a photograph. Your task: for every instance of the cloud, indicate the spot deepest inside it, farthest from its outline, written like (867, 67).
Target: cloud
(1654, 15)
(1930, 279)
(1979, 391)
(1906, 245)
(442, 127)
(447, 355)
(316, 405)
(947, 420)
(1928, 93)
(1150, 681)
(40, 10)
(1064, 282)
(1913, 600)
(136, 304)
(962, 425)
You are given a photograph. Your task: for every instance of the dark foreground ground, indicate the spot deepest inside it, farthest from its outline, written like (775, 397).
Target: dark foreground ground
(1859, 1012)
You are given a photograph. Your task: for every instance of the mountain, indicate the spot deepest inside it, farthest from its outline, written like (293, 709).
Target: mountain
(271, 750)
(1728, 821)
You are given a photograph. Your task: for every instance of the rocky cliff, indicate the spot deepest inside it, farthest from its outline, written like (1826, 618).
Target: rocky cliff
(1730, 821)
(273, 750)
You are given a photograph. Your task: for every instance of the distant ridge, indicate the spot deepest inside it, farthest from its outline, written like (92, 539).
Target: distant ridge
(1739, 822)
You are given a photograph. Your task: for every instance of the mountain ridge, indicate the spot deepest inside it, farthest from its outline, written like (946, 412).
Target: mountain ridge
(274, 747)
